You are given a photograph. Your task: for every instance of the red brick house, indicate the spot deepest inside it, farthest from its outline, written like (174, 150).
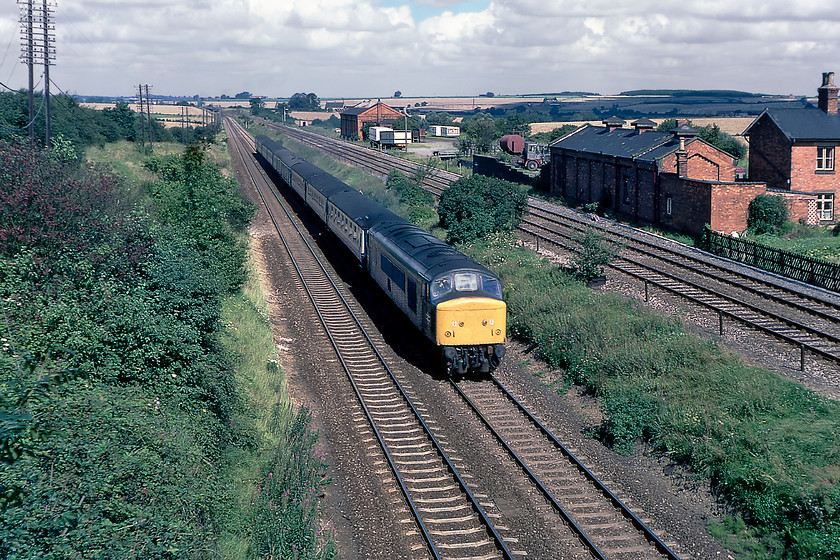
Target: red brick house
(673, 180)
(793, 151)
(354, 119)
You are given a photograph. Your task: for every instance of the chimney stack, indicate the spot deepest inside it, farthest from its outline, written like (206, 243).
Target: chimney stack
(827, 94)
(613, 123)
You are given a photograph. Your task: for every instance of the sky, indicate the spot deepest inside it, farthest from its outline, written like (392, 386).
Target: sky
(373, 48)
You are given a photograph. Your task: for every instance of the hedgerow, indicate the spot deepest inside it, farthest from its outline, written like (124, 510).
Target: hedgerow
(115, 397)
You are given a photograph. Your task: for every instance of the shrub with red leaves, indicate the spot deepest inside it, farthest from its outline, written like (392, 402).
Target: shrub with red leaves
(64, 212)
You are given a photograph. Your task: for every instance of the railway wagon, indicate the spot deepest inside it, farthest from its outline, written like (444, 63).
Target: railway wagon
(452, 300)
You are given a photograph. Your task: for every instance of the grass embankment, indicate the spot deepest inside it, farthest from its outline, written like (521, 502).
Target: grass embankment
(136, 422)
(768, 445)
(276, 481)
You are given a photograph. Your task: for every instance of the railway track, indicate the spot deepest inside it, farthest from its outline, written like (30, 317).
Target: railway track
(599, 518)
(449, 517)
(808, 319)
(805, 318)
(455, 520)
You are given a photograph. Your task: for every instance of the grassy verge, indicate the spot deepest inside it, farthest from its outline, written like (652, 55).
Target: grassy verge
(768, 445)
(276, 481)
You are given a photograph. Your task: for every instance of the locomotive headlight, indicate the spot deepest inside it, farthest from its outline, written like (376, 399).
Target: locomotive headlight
(461, 324)
(448, 333)
(498, 331)
(484, 323)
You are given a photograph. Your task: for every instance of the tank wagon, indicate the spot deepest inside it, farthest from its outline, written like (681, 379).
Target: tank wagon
(452, 300)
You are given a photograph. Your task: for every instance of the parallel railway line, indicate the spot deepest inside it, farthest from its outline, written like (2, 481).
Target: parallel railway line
(449, 514)
(806, 318)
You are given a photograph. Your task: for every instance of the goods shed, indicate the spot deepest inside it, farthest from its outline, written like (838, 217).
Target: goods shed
(354, 119)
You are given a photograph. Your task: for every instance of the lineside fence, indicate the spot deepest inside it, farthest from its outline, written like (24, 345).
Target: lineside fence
(810, 270)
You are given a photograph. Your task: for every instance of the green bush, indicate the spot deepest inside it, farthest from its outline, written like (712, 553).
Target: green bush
(113, 429)
(471, 208)
(594, 254)
(767, 214)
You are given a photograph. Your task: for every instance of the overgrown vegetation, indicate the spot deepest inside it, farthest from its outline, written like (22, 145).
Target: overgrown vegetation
(75, 128)
(119, 409)
(419, 202)
(474, 207)
(768, 445)
(594, 253)
(767, 214)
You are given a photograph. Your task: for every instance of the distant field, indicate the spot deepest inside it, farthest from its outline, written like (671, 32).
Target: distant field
(731, 125)
(169, 115)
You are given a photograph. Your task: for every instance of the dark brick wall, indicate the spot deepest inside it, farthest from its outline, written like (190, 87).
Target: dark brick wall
(631, 188)
(770, 154)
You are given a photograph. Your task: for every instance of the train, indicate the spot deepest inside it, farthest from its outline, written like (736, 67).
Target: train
(455, 302)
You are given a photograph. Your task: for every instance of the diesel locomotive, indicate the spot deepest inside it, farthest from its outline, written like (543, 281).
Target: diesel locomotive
(454, 301)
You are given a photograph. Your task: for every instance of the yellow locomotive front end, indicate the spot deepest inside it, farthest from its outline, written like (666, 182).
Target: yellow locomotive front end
(470, 321)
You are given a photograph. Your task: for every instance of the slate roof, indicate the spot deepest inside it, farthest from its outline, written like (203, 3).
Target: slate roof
(807, 123)
(621, 142)
(359, 110)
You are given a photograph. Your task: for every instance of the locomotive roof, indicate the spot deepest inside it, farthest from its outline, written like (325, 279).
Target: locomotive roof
(423, 252)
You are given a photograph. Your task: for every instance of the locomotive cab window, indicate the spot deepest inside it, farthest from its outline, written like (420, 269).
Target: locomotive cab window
(491, 286)
(466, 282)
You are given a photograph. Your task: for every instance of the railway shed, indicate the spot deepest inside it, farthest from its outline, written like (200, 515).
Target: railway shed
(673, 180)
(354, 119)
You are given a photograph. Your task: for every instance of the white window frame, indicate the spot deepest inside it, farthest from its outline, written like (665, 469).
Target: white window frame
(825, 207)
(825, 158)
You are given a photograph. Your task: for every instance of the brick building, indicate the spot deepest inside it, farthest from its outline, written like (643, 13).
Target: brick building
(793, 151)
(354, 119)
(673, 180)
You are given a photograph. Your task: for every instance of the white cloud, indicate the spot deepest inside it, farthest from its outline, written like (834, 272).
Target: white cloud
(372, 47)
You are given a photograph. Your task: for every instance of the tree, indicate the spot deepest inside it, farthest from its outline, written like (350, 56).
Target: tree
(243, 95)
(767, 214)
(256, 105)
(482, 131)
(406, 124)
(442, 119)
(304, 102)
(711, 134)
(398, 93)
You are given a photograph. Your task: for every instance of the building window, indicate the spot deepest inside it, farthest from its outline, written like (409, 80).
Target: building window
(825, 158)
(669, 206)
(626, 190)
(825, 207)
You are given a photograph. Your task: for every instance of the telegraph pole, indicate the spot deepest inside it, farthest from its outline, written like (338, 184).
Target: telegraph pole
(37, 48)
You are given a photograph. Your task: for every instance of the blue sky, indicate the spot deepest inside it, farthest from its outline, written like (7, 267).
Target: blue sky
(372, 48)
(424, 10)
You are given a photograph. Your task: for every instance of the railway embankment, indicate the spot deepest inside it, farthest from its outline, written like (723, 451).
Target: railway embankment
(767, 445)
